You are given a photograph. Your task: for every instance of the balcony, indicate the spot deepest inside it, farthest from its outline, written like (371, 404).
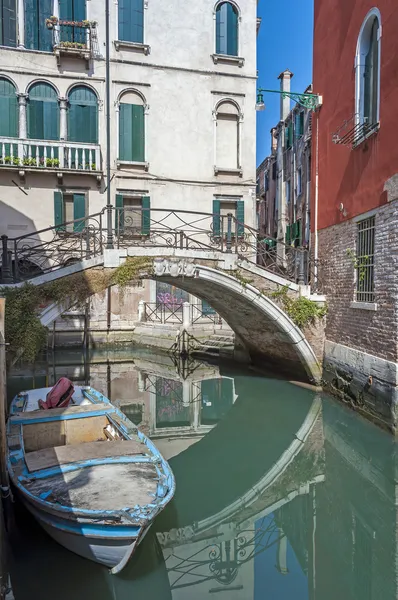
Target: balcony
(76, 39)
(48, 156)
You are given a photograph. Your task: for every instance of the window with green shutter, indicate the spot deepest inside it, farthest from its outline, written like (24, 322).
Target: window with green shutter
(37, 36)
(216, 218)
(288, 135)
(83, 115)
(131, 132)
(132, 215)
(72, 10)
(240, 217)
(68, 209)
(227, 19)
(43, 112)
(8, 109)
(131, 21)
(8, 23)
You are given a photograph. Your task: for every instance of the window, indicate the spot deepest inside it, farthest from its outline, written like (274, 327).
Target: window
(131, 21)
(69, 207)
(299, 182)
(132, 215)
(221, 210)
(43, 112)
(299, 124)
(83, 115)
(365, 260)
(288, 136)
(170, 296)
(367, 67)
(8, 109)
(132, 128)
(8, 23)
(37, 36)
(227, 136)
(287, 191)
(266, 183)
(72, 10)
(227, 29)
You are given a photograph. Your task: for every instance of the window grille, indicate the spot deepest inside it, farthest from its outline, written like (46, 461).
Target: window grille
(365, 260)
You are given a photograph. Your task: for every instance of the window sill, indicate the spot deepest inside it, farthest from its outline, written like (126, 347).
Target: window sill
(135, 46)
(372, 306)
(139, 166)
(374, 129)
(227, 171)
(228, 60)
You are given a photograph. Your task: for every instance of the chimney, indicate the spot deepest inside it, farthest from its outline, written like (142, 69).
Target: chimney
(285, 78)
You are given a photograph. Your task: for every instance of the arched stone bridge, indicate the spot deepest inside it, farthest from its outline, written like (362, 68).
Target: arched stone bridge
(237, 289)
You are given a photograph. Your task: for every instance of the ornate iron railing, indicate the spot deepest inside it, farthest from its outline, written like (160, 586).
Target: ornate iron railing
(353, 131)
(54, 247)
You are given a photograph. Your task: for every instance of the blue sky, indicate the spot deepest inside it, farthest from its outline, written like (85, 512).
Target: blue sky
(284, 42)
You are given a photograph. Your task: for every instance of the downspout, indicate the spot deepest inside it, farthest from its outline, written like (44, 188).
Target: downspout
(316, 201)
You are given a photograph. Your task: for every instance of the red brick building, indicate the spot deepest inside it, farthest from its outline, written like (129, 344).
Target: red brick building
(354, 198)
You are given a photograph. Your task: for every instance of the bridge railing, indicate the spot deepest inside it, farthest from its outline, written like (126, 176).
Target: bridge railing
(54, 247)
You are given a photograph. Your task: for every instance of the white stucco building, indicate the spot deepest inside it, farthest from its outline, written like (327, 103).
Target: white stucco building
(183, 93)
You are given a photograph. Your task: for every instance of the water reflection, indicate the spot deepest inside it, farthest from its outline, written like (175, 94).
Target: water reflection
(281, 493)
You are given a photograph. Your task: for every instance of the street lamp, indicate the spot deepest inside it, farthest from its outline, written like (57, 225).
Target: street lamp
(311, 101)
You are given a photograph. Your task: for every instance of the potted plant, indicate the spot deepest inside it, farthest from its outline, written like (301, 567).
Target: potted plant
(51, 22)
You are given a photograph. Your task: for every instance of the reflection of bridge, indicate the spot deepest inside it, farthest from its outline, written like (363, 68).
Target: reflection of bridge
(213, 257)
(220, 550)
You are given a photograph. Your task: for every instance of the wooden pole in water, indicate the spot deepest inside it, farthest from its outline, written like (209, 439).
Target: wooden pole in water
(3, 400)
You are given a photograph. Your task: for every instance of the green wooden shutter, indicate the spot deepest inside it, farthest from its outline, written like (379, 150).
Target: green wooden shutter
(221, 29)
(138, 131)
(216, 218)
(79, 211)
(119, 215)
(232, 30)
(31, 25)
(146, 215)
(124, 26)
(8, 109)
(137, 21)
(44, 34)
(35, 120)
(240, 217)
(83, 116)
(288, 234)
(59, 210)
(126, 132)
(8, 25)
(50, 121)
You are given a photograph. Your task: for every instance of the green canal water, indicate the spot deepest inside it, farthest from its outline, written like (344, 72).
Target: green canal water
(282, 493)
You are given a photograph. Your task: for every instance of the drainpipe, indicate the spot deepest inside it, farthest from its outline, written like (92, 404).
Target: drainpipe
(316, 202)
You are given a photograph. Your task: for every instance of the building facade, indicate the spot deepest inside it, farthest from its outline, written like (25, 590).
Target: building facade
(283, 178)
(182, 113)
(355, 193)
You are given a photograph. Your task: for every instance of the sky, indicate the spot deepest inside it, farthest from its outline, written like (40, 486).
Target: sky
(284, 42)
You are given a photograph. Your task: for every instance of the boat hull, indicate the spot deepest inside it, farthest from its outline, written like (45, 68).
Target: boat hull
(104, 549)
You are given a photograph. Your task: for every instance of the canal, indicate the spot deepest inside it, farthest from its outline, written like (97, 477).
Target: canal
(282, 493)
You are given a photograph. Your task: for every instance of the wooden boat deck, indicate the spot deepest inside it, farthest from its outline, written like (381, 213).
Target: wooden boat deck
(62, 455)
(102, 487)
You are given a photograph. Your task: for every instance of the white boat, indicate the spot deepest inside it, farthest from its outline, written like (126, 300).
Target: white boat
(92, 480)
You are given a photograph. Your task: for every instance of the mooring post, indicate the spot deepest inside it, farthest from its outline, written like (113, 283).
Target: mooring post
(5, 261)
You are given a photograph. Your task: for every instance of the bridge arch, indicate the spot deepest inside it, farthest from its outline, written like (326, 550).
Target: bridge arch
(266, 332)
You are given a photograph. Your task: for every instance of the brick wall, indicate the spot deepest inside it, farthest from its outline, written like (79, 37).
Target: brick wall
(368, 331)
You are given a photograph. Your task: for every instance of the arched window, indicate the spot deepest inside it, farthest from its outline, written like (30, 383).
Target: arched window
(227, 29)
(43, 112)
(131, 21)
(83, 115)
(227, 136)
(132, 128)
(367, 67)
(8, 109)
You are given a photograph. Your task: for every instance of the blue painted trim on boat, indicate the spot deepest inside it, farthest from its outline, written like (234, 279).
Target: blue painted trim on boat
(65, 417)
(162, 467)
(93, 462)
(115, 532)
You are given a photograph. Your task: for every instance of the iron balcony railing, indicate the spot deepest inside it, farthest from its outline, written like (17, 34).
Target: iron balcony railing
(41, 154)
(353, 131)
(73, 35)
(48, 249)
